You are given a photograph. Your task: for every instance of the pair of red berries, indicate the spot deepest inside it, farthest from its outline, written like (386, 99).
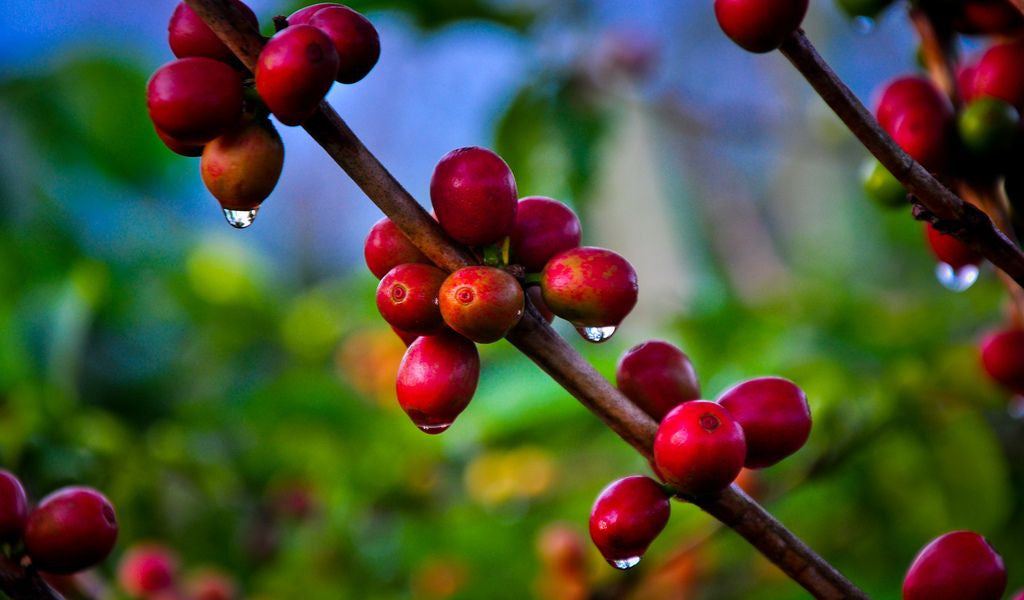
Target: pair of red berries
(71, 529)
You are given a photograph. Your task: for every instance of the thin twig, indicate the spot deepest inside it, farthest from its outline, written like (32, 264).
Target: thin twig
(940, 206)
(533, 336)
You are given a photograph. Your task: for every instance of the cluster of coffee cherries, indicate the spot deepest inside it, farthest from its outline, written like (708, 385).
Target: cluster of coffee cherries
(440, 316)
(72, 529)
(960, 565)
(151, 571)
(700, 446)
(207, 104)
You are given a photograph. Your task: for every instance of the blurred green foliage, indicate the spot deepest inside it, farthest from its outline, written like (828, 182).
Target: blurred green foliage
(247, 420)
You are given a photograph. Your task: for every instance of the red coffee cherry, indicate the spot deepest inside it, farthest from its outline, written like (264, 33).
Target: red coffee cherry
(910, 94)
(146, 569)
(1000, 73)
(950, 250)
(960, 565)
(436, 380)
(386, 247)
(626, 517)
(295, 70)
(407, 298)
(775, 417)
(354, 37)
(592, 288)
(925, 136)
(1002, 355)
(241, 167)
(544, 227)
(474, 194)
(965, 81)
(537, 299)
(13, 507)
(760, 25)
(211, 584)
(178, 147)
(188, 35)
(72, 529)
(194, 99)
(987, 17)
(481, 303)
(303, 15)
(699, 448)
(657, 377)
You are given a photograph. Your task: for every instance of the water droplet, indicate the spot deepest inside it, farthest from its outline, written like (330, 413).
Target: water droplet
(625, 563)
(956, 280)
(863, 25)
(240, 219)
(597, 335)
(1016, 407)
(426, 423)
(434, 428)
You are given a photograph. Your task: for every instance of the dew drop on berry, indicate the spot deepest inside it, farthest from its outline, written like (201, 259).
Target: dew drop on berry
(956, 280)
(625, 563)
(597, 335)
(240, 219)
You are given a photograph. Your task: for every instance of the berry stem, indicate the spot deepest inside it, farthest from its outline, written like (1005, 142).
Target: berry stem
(961, 219)
(24, 583)
(533, 336)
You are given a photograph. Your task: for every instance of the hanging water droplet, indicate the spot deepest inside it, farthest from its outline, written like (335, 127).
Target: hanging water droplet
(1016, 407)
(956, 280)
(597, 335)
(434, 428)
(240, 219)
(863, 25)
(625, 563)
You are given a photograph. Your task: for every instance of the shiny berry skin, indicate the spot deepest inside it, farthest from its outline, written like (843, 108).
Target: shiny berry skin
(178, 147)
(1002, 355)
(544, 227)
(627, 516)
(72, 529)
(303, 15)
(13, 507)
(407, 298)
(188, 35)
(760, 25)
(657, 377)
(295, 70)
(386, 247)
(1000, 73)
(988, 126)
(481, 303)
(146, 569)
(537, 299)
(437, 379)
(474, 195)
(960, 565)
(925, 136)
(910, 94)
(882, 187)
(589, 287)
(241, 167)
(774, 415)
(699, 448)
(950, 250)
(194, 99)
(354, 37)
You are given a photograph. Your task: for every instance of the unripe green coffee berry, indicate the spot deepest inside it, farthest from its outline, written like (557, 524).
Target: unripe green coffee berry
(988, 126)
(881, 186)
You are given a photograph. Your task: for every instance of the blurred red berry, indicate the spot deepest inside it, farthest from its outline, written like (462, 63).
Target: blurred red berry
(147, 568)
(13, 507)
(960, 565)
(1002, 355)
(657, 377)
(775, 417)
(760, 25)
(72, 529)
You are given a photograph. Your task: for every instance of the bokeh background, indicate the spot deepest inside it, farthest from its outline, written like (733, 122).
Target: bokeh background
(232, 391)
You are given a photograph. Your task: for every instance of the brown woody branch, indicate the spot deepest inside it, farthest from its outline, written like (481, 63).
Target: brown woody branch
(533, 336)
(937, 203)
(24, 583)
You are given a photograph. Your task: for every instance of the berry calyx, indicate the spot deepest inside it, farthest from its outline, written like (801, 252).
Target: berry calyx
(544, 227)
(988, 126)
(295, 70)
(589, 287)
(626, 517)
(188, 35)
(960, 565)
(407, 298)
(950, 250)
(386, 247)
(481, 303)
(146, 569)
(699, 448)
(354, 37)
(241, 167)
(13, 507)
(760, 25)
(775, 417)
(474, 195)
(195, 99)
(1002, 356)
(1000, 73)
(72, 529)
(436, 380)
(657, 377)
(881, 186)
